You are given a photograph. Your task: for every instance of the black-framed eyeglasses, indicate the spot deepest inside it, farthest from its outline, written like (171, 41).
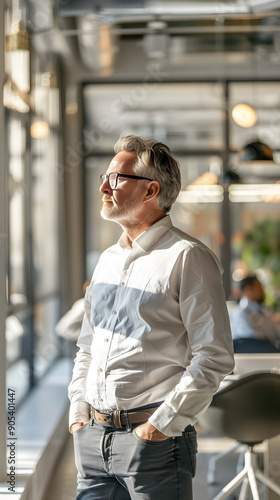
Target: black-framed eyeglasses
(113, 178)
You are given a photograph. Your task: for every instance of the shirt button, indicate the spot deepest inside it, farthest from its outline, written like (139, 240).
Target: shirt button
(101, 400)
(114, 312)
(122, 283)
(100, 369)
(106, 340)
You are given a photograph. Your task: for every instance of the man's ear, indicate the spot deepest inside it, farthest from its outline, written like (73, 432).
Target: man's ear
(152, 191)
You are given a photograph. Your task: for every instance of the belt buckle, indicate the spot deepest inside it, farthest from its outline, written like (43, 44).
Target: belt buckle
(112, 419)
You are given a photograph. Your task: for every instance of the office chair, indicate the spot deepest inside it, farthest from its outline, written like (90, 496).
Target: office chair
(248, 410)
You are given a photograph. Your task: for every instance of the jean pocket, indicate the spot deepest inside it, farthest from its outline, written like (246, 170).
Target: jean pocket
(191, 442)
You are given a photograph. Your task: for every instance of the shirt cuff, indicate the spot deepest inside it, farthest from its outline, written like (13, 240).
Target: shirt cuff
(79, 412)
(168, 422)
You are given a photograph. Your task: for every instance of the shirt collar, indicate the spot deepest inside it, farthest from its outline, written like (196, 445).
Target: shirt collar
(148, 237)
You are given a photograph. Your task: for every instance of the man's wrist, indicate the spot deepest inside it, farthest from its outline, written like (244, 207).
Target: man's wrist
(150, 432)
(74, 427)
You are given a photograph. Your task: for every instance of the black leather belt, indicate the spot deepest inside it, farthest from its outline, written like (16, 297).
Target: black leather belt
(123, 418)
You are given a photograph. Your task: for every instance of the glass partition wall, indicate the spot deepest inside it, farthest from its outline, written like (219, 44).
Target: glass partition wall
(224, 202)
(189, 118)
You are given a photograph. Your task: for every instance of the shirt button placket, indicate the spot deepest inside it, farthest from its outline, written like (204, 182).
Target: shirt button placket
(101, 383)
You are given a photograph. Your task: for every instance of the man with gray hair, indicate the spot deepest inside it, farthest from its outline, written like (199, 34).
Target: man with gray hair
(155, 341)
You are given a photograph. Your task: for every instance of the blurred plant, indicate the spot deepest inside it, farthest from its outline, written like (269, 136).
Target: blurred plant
(260, 250)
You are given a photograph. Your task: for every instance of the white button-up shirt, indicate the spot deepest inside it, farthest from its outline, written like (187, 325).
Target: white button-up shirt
(156, 329)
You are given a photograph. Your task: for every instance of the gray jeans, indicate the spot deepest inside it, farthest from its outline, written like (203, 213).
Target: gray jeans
(114, 464)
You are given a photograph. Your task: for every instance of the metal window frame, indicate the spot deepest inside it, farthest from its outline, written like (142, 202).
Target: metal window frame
(3, 257)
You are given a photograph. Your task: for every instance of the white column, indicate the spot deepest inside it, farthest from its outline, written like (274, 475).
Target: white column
(3, 244)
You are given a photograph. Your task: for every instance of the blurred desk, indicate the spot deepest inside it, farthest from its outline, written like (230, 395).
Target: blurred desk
(256, 362)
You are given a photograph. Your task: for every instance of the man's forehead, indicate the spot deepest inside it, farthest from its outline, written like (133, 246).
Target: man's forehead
(114, 163)
(124, 159)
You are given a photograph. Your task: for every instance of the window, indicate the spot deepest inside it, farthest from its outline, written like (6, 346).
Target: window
(32, 121)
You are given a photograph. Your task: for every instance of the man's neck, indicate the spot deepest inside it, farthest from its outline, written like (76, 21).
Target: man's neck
(133, 231)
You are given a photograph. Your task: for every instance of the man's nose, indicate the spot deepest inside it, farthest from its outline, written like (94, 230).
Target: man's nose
(105, 187)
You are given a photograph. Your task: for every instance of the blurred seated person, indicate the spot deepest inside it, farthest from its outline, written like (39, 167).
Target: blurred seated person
(69, 326)
(255, 327)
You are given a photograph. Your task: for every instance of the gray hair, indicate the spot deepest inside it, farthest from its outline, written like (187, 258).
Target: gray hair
(154, 160)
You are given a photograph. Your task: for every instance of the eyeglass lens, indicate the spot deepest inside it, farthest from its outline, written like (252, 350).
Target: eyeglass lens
(112, 177)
